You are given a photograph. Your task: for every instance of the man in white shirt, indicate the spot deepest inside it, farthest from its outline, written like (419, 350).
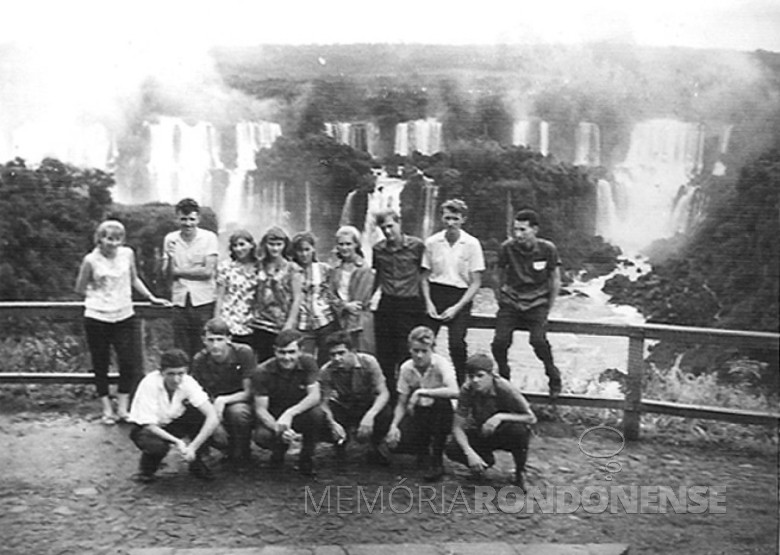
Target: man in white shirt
(190, 261)
(452, 263)
(169, 406)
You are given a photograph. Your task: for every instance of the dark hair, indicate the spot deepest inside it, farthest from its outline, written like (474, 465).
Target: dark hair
(286, 337)
(527, 215)
(216, 326)
(478, 362)
(336, 338)
(174, 358)
(246, 236)
(299, 239)
(456, 205)
(382, 215)
(274, 233)
(187, 206)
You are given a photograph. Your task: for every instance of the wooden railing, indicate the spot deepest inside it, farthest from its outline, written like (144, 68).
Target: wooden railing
(633, 405)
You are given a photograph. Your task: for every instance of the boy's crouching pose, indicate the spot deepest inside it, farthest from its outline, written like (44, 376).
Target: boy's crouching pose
(492, 414)
(169, 405)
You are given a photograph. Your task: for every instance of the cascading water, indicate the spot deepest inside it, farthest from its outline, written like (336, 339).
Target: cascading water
(663, 155)
(362, 136)
(534, 134)
(588, 145)
(422, 135)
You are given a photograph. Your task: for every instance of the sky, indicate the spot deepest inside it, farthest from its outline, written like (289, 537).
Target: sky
(730, 24)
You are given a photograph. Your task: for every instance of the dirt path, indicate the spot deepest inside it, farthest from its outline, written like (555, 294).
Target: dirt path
(66, 489)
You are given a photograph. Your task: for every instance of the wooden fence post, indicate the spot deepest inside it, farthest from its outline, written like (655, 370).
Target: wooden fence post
(632, 412)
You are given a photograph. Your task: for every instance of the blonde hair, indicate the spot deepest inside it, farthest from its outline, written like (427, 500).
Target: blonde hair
(107, 227)
(422, 334)
(353, 233)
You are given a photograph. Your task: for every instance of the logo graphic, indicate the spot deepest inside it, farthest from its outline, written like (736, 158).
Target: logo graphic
(611, 466)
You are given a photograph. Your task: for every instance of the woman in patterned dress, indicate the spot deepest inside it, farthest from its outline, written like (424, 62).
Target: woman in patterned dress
(237, 286)
(278, 298)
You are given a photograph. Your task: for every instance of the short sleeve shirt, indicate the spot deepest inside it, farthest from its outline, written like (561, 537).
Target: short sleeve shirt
(440, 373)
(152, 405)
(477, 407)
(354, 386)
(528, 272)
(398, 266)
(193, 253)
(226, 377)
(453, 264)
(284, 388)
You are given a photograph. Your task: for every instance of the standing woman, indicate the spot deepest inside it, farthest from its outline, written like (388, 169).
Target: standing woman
(278, 298)
(106, 279)
(237, 286)
(352, 282)
(317, 319)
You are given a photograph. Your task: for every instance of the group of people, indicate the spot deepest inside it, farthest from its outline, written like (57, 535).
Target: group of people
(330, 367)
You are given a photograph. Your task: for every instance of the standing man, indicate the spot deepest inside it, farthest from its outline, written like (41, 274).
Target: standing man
(287, 398)
(169, 406)
(529, 282)
(452, 274)
(190, 260)
(354, 396)
(397, 260)
(223, 369)
(492, 414)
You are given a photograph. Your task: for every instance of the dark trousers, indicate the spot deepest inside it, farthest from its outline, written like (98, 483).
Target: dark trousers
(508, 436)
(188, 322)
(533, 320)
(394, 319)
(310, 424)
(154, 448)
(313, 342)
(350, 416)
(424, 432)
(263, 344)
(101, 336)
(443, 297)
(237, 421)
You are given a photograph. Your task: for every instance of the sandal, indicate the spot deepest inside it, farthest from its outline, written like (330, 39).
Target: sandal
(108, 419)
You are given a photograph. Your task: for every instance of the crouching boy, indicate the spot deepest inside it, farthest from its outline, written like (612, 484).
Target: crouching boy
(169, 406)
(492, 414)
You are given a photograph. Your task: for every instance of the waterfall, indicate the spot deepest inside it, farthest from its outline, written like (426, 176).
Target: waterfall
(430, 196)
(588, 145)
(663, 155)
(606, 215)
(386, 195)
(719, 168)
(532, 134)
(422, 135)
(363, 136)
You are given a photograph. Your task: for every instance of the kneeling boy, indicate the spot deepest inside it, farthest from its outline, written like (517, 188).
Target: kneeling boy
(492, 414)
(169, 405)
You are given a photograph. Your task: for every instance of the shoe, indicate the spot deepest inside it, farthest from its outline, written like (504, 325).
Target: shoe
(108, 419)
(144, 478)
(434, 473)
(305, 466)
(379, 455)
(200, 470)
(519, 481)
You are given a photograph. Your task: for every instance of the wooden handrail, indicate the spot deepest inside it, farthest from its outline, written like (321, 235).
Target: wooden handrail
(633, 405)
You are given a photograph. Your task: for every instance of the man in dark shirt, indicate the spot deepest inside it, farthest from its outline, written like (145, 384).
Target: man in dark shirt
(397, 261)
(287, 397)
(529, 282)
(223, 370)
(355, 396)
(492, 414)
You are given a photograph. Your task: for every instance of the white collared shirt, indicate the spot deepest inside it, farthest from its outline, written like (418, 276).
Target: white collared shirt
(152, 405)
(453, 264)
(192, 253)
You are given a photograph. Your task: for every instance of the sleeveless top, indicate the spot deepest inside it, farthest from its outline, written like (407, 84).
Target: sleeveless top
(109, 296)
